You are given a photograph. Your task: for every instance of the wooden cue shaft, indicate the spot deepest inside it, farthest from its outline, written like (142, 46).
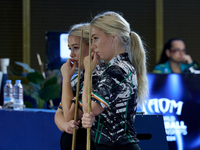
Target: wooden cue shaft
(89, 93)
(77, 93)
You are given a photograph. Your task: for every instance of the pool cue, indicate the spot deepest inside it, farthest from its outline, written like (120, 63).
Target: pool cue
(43, 73)
(77, 94)
(41, 65)
(89, 93)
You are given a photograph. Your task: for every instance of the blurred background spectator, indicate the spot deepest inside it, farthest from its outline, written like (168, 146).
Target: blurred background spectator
(174, 58)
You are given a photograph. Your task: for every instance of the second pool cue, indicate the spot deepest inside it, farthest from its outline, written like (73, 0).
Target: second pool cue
(43, 73)
(77, 94)
(89, 93)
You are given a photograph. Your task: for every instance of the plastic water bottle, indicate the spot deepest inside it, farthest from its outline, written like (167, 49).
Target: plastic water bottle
(8, 92)
(18, 95)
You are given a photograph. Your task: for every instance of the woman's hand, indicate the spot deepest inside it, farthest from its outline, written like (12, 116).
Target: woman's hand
(187, 59)
(95, 61)
(68, 69)
(88, 120)
(72, 124)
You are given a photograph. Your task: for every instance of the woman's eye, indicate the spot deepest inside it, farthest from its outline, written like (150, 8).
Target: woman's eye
(94, 39)
(76, 48)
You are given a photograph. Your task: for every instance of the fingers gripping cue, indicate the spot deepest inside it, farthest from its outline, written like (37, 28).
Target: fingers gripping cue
(77, 94)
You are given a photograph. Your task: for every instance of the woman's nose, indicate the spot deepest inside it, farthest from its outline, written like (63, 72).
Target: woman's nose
(93, 47)
(182, 53)
(72, 54)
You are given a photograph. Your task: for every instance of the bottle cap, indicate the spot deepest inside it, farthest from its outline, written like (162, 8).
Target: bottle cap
(8, 81)
(17, 81)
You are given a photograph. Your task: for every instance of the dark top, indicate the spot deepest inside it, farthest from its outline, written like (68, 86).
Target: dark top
(116, 92)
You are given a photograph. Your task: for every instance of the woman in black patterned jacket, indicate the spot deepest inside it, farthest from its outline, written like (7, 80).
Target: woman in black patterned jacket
(121, 86)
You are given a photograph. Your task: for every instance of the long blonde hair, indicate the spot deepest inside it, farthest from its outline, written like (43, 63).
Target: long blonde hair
(112, 23)
(75, 30)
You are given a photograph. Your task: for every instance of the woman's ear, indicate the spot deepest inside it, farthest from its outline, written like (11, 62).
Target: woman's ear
(167, 52)
(117, 40)
(115, 37)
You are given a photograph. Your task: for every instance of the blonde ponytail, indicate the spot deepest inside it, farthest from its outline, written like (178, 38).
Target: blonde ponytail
(138, 58)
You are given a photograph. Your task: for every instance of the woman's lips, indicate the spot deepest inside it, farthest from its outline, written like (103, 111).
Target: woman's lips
(73, 60)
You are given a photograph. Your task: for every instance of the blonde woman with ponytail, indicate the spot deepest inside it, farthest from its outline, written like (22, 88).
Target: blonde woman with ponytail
(121, 87)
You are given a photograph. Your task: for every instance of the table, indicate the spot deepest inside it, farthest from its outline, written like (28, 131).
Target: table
(30, 129)
(34, 129)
